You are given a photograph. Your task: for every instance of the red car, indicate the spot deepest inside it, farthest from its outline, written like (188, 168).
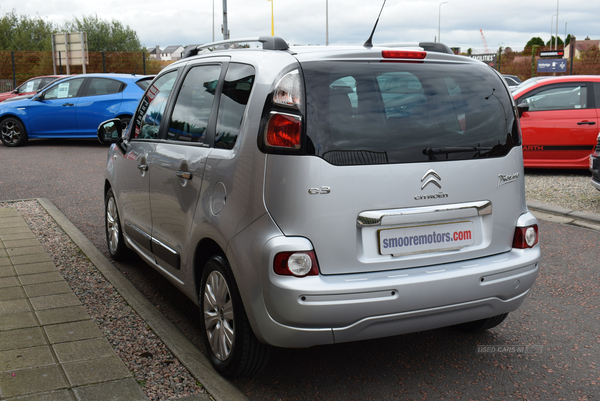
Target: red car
(560, 121)
(31, 86)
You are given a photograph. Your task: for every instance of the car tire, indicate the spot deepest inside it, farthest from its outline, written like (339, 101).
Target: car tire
(124, 122)
(114, 235)
(232, 347)
(483, 324)
(12, 132)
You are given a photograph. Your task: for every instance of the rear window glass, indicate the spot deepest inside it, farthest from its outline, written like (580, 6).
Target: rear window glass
(365, 113)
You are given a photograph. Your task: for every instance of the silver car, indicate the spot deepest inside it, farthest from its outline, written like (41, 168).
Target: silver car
(317, 195)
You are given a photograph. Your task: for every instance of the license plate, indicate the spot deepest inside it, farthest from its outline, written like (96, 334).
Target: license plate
(426, 238)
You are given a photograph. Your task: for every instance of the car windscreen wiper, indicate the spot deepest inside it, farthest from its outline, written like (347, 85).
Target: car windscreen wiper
(446, 150)
(455, 149)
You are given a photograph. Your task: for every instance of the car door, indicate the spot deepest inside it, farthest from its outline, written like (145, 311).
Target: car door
(100, 101)
(179, 161)
(132, 171)
(52, 112)
(561, 126)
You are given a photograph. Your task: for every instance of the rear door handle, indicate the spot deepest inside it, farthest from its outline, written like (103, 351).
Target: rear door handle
(186, 175)
(143, 167)
(69, 104)
(586, 123)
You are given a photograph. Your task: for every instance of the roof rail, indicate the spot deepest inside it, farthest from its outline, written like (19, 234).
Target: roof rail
(436, 47)
(268, 43)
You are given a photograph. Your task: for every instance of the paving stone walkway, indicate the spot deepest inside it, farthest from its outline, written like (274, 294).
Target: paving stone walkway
(50, 348)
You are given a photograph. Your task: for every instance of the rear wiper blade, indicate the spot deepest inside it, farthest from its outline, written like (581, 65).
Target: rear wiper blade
(455, 149)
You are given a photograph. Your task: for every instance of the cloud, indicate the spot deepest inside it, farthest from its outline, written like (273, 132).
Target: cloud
(504, 23)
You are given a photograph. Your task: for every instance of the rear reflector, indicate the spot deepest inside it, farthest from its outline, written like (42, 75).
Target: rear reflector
(283, 131)
(404, 54)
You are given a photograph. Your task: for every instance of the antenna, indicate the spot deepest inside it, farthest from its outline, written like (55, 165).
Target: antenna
(369, 42)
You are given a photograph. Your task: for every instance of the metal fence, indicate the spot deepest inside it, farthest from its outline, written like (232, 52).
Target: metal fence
(18, 66)
(524, 64)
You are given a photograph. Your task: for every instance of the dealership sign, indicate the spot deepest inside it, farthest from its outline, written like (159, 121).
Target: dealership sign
(552, 65)
(488, 58)
(554, 53)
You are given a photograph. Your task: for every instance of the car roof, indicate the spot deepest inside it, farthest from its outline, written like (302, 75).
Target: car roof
(434, 50)
(121, 76)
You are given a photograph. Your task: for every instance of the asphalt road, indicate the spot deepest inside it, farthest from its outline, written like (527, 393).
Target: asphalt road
(548, 349)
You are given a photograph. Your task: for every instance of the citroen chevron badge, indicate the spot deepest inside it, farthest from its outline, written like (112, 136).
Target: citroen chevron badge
(431, 177)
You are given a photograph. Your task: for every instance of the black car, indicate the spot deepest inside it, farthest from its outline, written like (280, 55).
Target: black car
(595, 166)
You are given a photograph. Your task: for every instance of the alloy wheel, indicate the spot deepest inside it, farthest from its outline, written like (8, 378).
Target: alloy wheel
(218, 315)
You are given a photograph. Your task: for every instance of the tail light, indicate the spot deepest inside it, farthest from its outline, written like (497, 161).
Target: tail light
(283, 130)
(298, 264)
(282, 117)
(526, 237)
(288, 92)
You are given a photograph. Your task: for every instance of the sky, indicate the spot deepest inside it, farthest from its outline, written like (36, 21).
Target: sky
(507, 23)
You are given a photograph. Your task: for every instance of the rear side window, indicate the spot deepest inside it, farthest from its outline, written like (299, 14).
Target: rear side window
(359, 113)
(234, 98)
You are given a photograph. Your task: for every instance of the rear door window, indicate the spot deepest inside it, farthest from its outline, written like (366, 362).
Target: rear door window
(103, 86)
(194, 103)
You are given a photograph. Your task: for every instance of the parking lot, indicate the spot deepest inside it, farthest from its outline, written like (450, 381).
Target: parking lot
(548, 349)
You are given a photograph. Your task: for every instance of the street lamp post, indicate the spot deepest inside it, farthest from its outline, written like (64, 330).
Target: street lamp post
(326, 22)
(272, 20)
(213, 31)
(440, 20)
(566, 22)
(551, 22)
(556, 41)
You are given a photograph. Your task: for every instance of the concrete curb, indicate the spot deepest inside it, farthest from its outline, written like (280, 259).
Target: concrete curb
(198, 365)
(569, 216)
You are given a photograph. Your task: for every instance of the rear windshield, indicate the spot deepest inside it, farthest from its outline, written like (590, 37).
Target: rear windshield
(372, 113)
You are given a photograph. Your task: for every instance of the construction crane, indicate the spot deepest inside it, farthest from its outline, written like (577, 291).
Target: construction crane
(485, 48)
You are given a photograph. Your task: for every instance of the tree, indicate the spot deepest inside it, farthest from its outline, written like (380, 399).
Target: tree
(20, 32)
(535, 41)
(102, 35)
(553, 40)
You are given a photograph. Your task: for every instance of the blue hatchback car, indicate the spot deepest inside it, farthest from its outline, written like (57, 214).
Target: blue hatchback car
(71, 108)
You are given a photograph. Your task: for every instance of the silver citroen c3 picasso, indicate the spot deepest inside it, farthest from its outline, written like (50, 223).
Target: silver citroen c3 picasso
(316, 195)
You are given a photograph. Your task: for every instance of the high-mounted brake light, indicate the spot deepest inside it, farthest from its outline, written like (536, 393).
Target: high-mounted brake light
(404, 54)
(298, 264)
(283, 131)
(526, 237)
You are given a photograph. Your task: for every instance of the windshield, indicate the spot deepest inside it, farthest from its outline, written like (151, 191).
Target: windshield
(367, 113)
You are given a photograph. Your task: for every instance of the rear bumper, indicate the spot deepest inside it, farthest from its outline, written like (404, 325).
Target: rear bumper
(302, 312)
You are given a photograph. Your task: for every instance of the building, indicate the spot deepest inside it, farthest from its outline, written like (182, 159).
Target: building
(170, 53)
(581, 46)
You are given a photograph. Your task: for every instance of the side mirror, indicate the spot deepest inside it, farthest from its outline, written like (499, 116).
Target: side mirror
(110, 131)
(522, 108)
